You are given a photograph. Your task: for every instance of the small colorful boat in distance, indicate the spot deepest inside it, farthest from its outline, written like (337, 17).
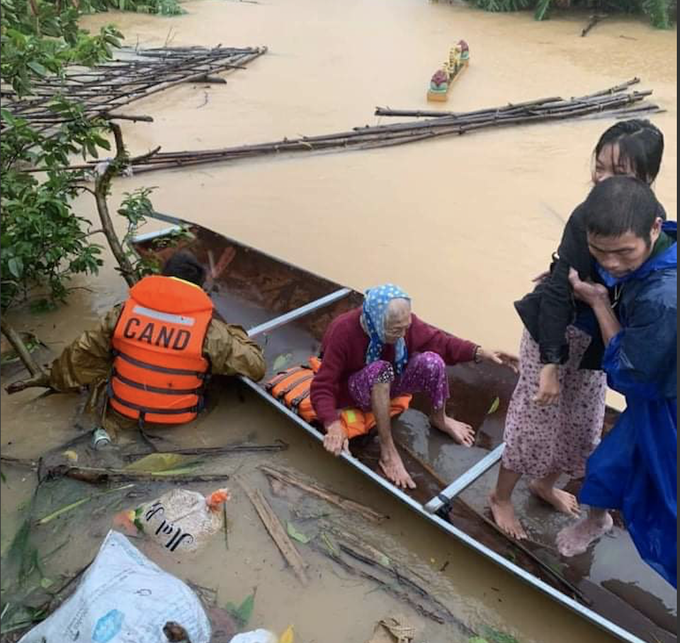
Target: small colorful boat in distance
(450, 72)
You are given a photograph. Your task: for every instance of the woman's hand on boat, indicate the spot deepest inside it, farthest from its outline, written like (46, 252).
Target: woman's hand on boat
(549, 386)
(499, 357)
(336, 441)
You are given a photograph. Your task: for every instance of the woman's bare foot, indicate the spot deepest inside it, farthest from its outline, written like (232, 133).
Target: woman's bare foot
(460, 432)
(504, 515)
(393, 467)
(564, 502)
(576, 539)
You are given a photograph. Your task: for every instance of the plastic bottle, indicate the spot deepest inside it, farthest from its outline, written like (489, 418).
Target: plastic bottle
(100, 439)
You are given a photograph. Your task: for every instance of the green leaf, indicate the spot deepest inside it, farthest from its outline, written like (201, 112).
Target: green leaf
(494, 406)
(70, 507)
(542, 9)
(282, 361)
(244, 612)
(477, 639)
(39, 69)
(297, 535)
(15, 267)
(329, 545)
(46, 583)
(496, 636)
(157, 462)
(180, 471)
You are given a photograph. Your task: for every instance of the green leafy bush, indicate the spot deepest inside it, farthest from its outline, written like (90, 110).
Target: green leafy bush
(660, 12)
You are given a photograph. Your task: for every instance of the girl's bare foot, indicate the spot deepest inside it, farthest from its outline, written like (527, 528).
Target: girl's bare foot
(564, 502)
(460, 432)
(576, 539)
(393, 467)
(504, 515)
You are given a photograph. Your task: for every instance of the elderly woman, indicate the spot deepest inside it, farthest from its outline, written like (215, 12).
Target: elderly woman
(380, 351)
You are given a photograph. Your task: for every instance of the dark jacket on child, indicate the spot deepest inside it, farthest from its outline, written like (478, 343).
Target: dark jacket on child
(551, 308)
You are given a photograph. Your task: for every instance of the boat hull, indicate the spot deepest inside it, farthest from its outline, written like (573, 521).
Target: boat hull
(288, 310)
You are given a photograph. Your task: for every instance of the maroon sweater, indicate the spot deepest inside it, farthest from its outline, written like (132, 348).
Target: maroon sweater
(344, 350)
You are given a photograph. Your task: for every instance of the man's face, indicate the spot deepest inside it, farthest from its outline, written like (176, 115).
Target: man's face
(620, 256)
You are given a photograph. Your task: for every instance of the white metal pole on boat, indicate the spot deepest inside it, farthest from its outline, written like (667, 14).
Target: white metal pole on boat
(148, 236)
(469, 477)
(277, 322)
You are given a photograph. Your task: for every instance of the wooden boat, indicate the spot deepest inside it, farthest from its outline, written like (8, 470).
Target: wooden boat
(288, 310)
(444, 78)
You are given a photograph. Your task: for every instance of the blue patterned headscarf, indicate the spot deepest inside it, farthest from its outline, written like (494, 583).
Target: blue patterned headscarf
(376, 303)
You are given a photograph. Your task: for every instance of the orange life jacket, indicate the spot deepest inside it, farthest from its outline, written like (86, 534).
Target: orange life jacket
(159, 370)
(293, 387)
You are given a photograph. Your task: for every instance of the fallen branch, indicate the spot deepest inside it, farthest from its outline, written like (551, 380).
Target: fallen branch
(277, 532)
(125, 117)
(234, 449)
(325, 494)
(595, 19)
(353, 567)
(21, 350)
(352, 545)
(215, 80)
(19, 462)
(100, 475)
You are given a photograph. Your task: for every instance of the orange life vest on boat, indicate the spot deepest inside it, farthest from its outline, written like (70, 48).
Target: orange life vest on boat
(293, 387)
(159, 370)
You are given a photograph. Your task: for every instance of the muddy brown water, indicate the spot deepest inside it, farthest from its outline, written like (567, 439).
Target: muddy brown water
(462, 223)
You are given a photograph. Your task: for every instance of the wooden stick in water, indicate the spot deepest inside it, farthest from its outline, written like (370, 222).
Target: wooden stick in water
(277, 532)
(325, 494)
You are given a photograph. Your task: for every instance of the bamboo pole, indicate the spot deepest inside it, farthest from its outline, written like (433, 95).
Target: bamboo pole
(114, 85)
(613, 100)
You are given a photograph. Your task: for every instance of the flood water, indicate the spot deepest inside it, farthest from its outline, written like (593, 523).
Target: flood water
(463, 224)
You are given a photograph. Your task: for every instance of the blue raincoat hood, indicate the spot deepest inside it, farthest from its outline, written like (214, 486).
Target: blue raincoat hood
(664, 261)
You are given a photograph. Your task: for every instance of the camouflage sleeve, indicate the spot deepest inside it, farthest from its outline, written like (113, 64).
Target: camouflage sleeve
(232, 352)
(88, 359)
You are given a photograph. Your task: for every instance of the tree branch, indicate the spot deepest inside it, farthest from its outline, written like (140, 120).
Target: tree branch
(21, 349)
(101, 191)
(124, 117)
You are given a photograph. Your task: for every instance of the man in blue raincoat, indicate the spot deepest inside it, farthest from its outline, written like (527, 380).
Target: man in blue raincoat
(634, 469)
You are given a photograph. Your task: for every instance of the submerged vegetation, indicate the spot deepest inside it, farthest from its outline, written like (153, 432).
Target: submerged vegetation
(661, 13)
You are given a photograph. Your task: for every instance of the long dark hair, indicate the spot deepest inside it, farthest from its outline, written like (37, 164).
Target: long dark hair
(640, 144)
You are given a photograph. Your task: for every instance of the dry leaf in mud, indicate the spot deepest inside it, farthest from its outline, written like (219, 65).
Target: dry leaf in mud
(288, 636)
(158, 462)
(495, 405)
(394, 629)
